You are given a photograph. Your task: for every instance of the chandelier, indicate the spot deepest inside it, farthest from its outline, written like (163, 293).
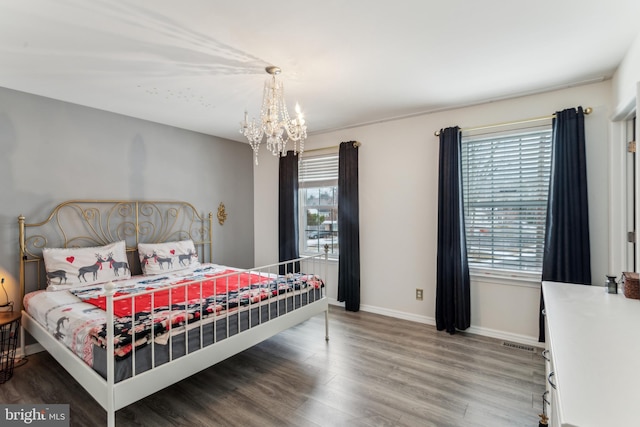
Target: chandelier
(275, 124)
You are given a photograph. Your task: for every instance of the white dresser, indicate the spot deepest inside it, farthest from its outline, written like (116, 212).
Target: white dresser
(593, 340)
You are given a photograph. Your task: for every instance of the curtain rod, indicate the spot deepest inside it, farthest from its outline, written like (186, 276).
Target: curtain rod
(587, 110)
(356, 144)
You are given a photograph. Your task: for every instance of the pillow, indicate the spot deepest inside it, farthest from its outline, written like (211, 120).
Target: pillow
(67, 267)
(158, 258)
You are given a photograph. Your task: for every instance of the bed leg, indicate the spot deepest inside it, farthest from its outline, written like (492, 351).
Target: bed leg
(326, 325)
(111, 418)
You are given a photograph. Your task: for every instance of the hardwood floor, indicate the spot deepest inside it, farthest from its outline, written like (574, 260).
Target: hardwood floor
(375, 371)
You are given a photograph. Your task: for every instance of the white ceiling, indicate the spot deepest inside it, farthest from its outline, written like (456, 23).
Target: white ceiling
(199, 64)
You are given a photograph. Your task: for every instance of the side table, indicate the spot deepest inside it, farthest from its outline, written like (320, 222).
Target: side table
(9, 332)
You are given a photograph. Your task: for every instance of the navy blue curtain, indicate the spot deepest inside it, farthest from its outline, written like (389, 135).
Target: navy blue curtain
(348, 227)
(288, 212)
(453, 301)
(566, 249)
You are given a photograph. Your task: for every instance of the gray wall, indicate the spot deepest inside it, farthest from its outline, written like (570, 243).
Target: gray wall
(52, 151)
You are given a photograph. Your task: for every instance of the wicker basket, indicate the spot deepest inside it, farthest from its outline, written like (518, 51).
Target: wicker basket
(631, 285)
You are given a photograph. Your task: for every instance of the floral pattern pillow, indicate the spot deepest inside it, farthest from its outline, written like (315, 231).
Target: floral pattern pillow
(159, 258)
(69, 267)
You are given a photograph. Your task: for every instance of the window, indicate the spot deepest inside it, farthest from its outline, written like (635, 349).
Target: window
(318, 179)
(505, 181)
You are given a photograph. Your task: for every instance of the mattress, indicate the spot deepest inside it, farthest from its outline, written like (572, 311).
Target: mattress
(187, 310)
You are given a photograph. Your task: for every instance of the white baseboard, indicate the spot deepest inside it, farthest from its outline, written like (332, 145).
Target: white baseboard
(477, 330)
(29, 349)
(505, 336)
(333, 301)
(399, 314)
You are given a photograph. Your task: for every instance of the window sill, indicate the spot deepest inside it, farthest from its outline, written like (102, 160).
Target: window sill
(330, 258)
(504, 277)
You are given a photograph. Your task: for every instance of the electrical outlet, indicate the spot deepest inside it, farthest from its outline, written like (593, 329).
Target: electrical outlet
(419, 294)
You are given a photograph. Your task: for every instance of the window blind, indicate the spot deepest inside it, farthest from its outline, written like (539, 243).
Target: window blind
(505, 187)
(318, 171)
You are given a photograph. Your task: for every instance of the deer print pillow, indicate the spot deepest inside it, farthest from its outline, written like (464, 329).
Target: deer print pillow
(67, 267)
(159, 258)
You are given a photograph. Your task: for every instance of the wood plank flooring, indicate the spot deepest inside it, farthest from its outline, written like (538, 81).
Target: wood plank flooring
(374, 371)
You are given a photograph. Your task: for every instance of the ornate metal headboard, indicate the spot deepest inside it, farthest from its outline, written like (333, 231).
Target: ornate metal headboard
(85, 223)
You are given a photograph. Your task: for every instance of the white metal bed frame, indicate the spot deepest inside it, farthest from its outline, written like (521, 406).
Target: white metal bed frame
(103, 222)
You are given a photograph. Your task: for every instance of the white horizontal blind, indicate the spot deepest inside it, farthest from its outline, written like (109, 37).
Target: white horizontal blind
(318, 171)
(505, 187)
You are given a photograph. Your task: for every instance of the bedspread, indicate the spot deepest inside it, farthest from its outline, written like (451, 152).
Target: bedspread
(77, 317)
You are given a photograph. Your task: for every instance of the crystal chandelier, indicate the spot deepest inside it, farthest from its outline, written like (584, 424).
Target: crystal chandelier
(275, 123)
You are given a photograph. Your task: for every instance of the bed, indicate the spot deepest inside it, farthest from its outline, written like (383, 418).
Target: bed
(145, 268)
